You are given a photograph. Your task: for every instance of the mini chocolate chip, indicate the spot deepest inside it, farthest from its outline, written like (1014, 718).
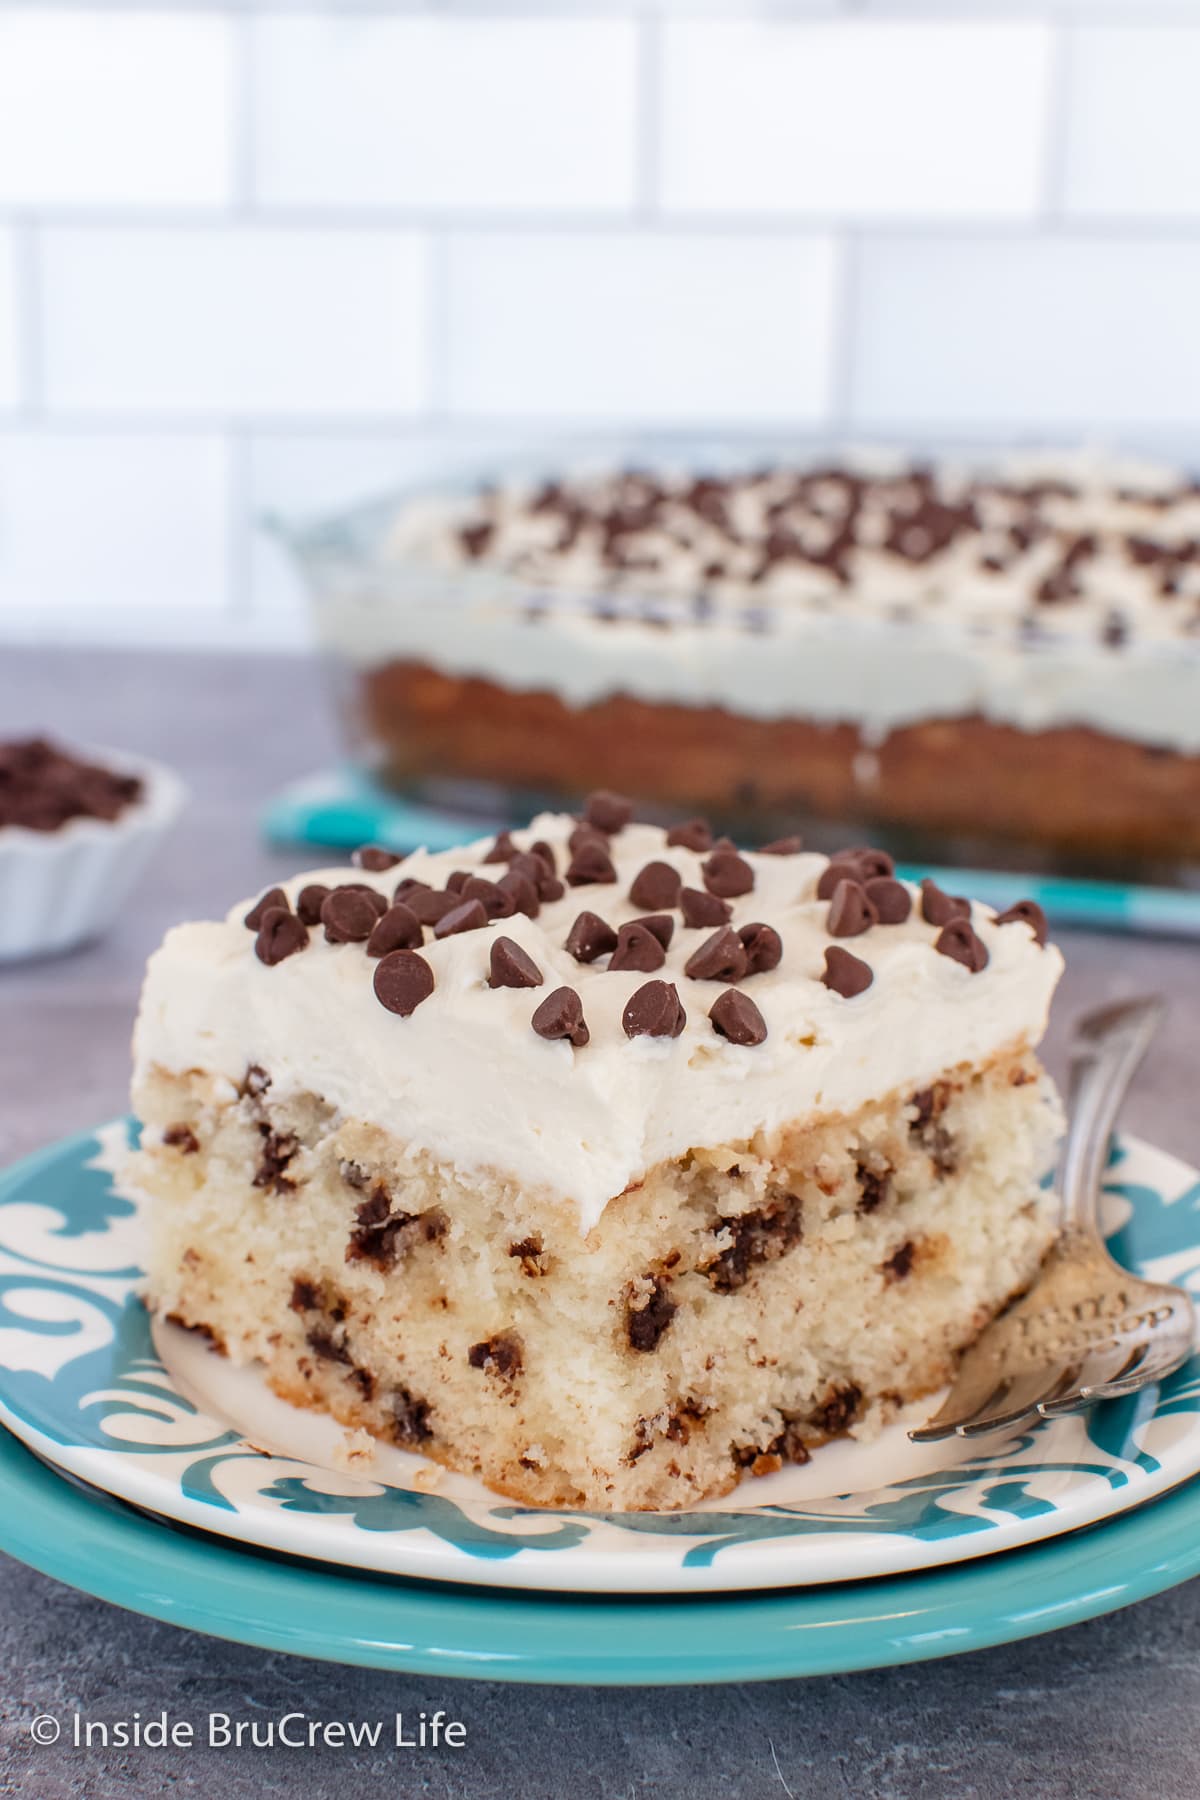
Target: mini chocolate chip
(503, 850)
(495, 901)
(348, 916)
(522, 892)
(280, 934)
(561, 1016)
(727, 874)
(591, 865)
(456, 880)
(608, 812)
(274, 897)
(410, 885)
(890, 898)
(544, 853)
(429, 905)
(1026, 912)
(722, 957)
(551, 889)
(700, 909)
(656, 887)
(510, 966)
(654, 1011)
(530, 866)
(724, 846)
(402, 981)
(661, 924)
(589, 937)
(374, 859)
(309, 902)
(763, 946)
(938, 908)
(735, 1016)
(959, 940)
(373, 896)
(850, 912)
(637, 949)
(692, 834)
(469, 916)
(840, 868)
(871, 862)
(847, 975)
(399, 929)
(586, 834)
(784, 846)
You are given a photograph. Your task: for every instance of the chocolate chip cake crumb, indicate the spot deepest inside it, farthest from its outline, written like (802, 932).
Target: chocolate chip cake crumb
(646, 1322)
(409, 1419)
(874, 1186)
(839, 1411)
(756, 1238)
(181, 1138)
(382, 1237)
(322, 1343)
(900, 1263)
(279, 1147)
(787, 1446)
(531, 1256)
(502, 1355)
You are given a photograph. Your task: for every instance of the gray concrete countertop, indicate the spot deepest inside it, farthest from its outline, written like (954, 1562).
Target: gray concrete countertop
(1107, 1709)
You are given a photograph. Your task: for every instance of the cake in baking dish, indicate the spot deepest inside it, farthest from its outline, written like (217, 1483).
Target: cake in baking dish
(605, 1162)
(1007, 654)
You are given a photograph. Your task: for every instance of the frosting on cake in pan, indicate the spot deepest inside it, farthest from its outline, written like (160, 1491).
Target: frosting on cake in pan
(507, 1040)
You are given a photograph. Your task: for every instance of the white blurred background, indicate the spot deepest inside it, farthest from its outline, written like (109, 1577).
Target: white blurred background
(262, 257)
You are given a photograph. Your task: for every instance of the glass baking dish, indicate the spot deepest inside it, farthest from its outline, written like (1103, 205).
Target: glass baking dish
(944, 717)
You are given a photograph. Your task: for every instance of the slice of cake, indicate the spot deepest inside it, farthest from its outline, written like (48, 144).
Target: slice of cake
(603, 1162)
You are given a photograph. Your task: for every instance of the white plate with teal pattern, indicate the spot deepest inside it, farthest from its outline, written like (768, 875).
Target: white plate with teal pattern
(156, 1419)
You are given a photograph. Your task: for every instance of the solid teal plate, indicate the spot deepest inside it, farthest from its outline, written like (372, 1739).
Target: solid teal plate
(186, 1578)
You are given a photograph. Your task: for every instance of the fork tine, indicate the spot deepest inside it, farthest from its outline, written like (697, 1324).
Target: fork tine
(1104, 1377)
(1154, 1367)
(1025, 1394)
(966, 1400)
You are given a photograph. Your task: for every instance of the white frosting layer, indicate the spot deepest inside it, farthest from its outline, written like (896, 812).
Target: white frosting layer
(466, 1078)
(905, 640)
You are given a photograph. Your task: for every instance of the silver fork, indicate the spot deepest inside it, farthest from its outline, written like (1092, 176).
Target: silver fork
(1087, 1330)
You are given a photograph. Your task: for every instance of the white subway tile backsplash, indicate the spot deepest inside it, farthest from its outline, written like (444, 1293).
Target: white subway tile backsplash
(10, 336)
(102, 524)
(238, 321)
(1034, 332)
(885, 119)
(114, 108)
(616, 325)
(1132, 146)
(441, 112)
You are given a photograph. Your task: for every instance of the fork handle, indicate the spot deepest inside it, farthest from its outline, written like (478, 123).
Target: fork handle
(1108, 1046)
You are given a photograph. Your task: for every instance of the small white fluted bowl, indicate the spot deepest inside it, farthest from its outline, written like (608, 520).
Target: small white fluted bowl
(59, 889)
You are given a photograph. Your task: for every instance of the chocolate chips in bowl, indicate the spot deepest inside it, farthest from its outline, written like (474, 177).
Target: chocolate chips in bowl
(77, 828)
